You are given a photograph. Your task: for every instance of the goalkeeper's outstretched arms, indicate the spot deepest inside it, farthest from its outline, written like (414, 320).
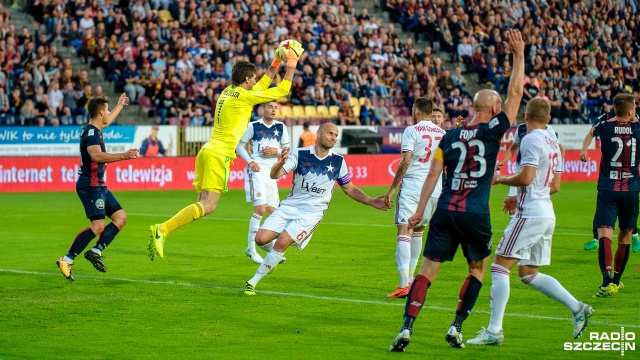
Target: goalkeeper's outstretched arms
(292, 55)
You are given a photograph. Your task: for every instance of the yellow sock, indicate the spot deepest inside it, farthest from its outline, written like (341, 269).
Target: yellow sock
(182, 218)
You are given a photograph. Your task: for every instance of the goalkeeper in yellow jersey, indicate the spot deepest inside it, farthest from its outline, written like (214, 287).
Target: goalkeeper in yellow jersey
(232, 114)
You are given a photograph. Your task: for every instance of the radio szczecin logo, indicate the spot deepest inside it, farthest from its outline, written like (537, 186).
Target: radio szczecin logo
(606, 341)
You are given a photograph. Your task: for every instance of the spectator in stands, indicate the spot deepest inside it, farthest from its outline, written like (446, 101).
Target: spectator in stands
(28, 114)
(367, 114)
(133, 83)
(165, 106)
(346, 115)
(15, 102)
(381, 113)
(198, 118)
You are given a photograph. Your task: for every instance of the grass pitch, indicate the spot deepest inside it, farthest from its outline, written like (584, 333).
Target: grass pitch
(326, 302)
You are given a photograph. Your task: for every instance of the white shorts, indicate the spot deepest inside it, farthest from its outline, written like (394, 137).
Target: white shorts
(261, 189)
(528, 239)
(407, 203)
(289, 219)
(513, 191)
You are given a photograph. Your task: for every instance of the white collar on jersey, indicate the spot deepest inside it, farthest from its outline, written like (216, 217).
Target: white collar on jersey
(273, 122)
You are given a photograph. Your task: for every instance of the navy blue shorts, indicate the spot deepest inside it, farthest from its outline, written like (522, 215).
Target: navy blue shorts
(450, 229)
(619, 205)
(98, 201)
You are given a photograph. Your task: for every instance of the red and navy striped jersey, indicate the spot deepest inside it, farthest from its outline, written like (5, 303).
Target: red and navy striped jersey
(90, 171)
(469, 161)
(619, 162)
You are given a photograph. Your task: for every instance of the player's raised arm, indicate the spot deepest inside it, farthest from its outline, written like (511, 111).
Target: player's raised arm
(103, 157)
(275, 93)
(267, 78)
(122, 102)
(514, 45)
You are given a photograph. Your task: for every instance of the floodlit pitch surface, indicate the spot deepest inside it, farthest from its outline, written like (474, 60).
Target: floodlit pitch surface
(328, 301)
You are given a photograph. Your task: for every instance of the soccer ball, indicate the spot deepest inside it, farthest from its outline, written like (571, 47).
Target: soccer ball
(283, 47)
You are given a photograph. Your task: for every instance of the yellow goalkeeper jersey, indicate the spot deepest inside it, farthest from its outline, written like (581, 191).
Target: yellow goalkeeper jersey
(233, 112)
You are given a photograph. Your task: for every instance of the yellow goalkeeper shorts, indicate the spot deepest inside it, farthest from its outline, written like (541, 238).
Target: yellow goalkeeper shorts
(212, 171)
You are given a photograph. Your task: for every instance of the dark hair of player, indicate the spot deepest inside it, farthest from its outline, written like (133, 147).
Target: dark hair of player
(241, 71)
(95, 106)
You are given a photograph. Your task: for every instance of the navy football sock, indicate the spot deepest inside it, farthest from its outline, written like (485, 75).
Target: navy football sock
(80, 242)
(467, 299)
(605, 259)
(622, 256)
(110, 232)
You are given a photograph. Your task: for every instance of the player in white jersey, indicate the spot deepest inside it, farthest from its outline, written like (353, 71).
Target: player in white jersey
(267, 138)
(316, 169)
(521, 131)
(419, 141)
(527, 239)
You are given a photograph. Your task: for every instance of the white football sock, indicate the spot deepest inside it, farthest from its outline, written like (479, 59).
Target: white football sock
(254, 225)
(553, 289)
(96, 250)
(270, 261)
(67, 259)
(416, 249)
(403, 257)
(499, 296)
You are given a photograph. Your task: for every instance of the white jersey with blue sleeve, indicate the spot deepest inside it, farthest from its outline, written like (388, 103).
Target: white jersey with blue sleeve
(314, 178)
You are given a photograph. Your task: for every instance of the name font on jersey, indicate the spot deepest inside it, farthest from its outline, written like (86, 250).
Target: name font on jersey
(468, 134)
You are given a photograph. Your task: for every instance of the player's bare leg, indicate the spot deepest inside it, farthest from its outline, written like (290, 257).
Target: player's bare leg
(207, 202)
(415, 300)
(273, 258)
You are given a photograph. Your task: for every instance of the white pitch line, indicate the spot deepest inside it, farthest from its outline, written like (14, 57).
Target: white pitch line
(390, 225)
(300, 295)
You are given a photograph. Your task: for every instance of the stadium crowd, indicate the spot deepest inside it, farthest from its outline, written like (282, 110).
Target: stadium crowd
(175, 57)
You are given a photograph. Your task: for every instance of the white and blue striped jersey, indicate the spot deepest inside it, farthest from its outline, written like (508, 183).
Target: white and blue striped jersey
(314, 178)
(262, 135)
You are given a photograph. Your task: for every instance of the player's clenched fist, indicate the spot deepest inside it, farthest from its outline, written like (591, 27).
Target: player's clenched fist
(414, 220)
(284, 154)
(130, 154)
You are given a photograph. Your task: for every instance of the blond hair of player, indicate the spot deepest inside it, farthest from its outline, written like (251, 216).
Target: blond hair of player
(232, 114)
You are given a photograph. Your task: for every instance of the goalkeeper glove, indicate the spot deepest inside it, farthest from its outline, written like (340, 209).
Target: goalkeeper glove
(276, 58)
(292, 55)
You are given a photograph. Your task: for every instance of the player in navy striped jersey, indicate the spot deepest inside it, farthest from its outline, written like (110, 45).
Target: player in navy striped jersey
(468, 156)
(97, 200)
(267, 138)
(593, 243)
(618, 188)
(316, 169)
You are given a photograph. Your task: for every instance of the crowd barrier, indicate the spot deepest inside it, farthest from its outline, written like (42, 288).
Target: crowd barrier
(23, 174)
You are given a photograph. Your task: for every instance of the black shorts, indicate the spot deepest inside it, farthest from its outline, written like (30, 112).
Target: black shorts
(448, 229)
(616, 204)
(98, 201)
